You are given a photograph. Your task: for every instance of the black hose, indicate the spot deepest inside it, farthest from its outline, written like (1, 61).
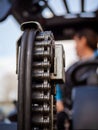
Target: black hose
(21, 81)
(28, 80)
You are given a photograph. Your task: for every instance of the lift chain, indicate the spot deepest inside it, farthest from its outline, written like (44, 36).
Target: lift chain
(36, 65)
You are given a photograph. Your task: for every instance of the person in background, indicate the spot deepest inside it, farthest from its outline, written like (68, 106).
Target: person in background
(86, 48)
(86, 44)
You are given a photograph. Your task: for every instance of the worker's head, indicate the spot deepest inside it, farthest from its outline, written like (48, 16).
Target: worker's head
(86, 43)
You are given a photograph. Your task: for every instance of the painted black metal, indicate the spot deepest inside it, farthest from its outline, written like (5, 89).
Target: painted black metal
(66, 6)
(82, 5)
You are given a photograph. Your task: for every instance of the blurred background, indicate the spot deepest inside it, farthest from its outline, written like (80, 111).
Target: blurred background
(63, 17)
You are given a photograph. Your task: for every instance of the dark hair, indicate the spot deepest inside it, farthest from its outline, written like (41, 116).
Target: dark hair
(90, 36)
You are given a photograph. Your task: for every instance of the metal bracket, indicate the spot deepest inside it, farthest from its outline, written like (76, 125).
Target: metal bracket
(31, 25)
(59, 64)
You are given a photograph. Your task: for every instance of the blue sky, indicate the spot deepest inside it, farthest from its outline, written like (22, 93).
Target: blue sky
(9, 33)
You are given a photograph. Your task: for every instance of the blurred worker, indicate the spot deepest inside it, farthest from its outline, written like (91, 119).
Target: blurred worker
(86, 47)
(86, 44)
